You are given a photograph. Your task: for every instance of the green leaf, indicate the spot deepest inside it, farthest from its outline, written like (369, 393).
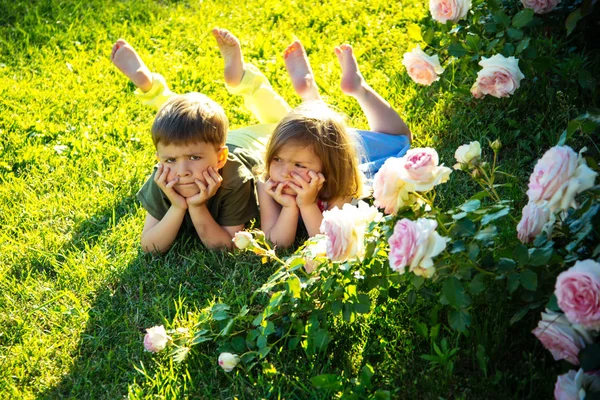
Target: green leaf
(482, 359)
(239, 344)
(586, 79)
(366, 374)
(294, 286)
(417, 281)
(261, 342)
(529, 279)
(471, 205)
(487, 218)
(538, 257)
(519, 315)
(422, 330)
(523, 44)
(321, 339)
(508, 50)
(514, 33)
(474, 251)
(572, 20)
(459, 320)
(473, 41)
(454, 293)
(227, 330)
(505, 265)
(553, 304)
(520, 254)
(456, 50)
(264, 351)
(513, 282)
(487, 233)
(327, 381)
(220, 315)
(463, 228)
(293, 343)
(364, 304)
(502, 19)
(477, 285)
(428, 35)
(267, 330)
(522, 18)
(257, 320)
(589, 357)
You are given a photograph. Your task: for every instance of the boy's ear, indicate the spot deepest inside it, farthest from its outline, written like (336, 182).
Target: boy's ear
(157, 157)
(222, 156)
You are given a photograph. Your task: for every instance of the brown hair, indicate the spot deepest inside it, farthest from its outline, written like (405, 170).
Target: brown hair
(315, 124)
(190, 118)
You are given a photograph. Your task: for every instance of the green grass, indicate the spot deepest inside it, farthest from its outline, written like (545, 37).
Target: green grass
(76, 292)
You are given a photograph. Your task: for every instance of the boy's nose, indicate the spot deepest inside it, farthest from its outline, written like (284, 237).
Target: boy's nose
(183, 170)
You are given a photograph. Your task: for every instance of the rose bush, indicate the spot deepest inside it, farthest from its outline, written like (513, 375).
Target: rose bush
(156, 339)
(540, 6)
(449, 10)
(467, 153)
(533, 220)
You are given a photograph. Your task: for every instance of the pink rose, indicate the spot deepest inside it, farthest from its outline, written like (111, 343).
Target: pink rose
(560, 337)
(345, 230)
(499, 77)
(575, 385)
(533, 220)
(449, 10)
(420, 170)
(540, 6)
(558, 177)
(422, 69)
(389, 191)
(578, 293)
(414, 244)
(156, 339)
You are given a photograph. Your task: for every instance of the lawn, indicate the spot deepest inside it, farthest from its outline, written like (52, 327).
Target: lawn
(77, 292)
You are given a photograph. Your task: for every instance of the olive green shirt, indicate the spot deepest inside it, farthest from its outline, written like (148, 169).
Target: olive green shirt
(234, 203)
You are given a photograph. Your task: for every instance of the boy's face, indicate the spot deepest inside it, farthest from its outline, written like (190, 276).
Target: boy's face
(188, 162)
(298, 159)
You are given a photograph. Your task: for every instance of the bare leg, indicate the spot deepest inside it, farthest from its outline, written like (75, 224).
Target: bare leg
(380, 114)
(230, 49)
(131, 65)
(298, 67)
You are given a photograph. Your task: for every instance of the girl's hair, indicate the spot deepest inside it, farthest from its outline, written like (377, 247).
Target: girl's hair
(315, 124)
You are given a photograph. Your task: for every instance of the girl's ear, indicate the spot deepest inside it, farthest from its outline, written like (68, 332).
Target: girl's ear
(222, 156)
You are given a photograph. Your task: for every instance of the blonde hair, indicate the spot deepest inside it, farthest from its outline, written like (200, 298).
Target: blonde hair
(315, 124)
(190, 118)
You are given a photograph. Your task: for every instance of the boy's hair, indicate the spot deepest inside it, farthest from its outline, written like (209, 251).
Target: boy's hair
(317, 125)
(190, 118)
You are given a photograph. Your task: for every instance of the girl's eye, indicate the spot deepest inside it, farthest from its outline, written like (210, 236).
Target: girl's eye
(300, 166)
(276, 159)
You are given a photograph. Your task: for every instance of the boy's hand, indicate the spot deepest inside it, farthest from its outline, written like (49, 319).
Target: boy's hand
(307, 191)
(175, 198)
(275, 190)
(213, 183)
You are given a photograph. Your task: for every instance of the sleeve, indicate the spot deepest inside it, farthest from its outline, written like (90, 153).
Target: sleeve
(152, 198)
(237, 206)
(158, 95)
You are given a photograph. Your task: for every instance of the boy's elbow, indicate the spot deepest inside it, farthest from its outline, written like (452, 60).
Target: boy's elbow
(151, 248)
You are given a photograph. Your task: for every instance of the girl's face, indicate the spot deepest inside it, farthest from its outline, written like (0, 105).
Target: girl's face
(298, 159)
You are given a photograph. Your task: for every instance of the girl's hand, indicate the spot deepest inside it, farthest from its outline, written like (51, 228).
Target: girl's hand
(213, 183)
(307, 191)
(275, 190)
(160, 177)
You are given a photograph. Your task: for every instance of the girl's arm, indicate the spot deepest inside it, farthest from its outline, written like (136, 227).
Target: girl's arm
(279, 220)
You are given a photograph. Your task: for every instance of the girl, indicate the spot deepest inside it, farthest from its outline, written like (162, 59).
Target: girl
(311, 158)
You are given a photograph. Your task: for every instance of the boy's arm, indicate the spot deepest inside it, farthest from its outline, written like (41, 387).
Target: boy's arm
(209, 231)
(159, 235)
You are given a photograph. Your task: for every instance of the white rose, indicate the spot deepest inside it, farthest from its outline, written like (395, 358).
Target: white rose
(468, 152)
(156, 339)
(499, 77)
(422, 69)
(228, 361)
(242, 239)
(449, 10)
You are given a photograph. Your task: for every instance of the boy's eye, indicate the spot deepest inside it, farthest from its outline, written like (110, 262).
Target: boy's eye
(170, 160)
(195, 158)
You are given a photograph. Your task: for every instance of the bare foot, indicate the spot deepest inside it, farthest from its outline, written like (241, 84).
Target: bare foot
(352, 80)
(303, 80)
(130, 63)
(231, 52)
